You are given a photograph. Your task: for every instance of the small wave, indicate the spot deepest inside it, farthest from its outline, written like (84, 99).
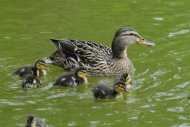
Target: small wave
(176, 109)
(171, 34)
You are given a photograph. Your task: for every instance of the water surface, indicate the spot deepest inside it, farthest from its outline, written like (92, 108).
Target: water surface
(161, 90)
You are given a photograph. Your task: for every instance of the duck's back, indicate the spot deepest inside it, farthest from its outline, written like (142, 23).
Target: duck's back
(68, 81)
(103, 92)
(23, 71)
(96, 58)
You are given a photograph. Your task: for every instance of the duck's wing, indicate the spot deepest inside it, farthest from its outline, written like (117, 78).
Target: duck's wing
(66, 80)
(102, 92)
(23, 71)
(86, 53)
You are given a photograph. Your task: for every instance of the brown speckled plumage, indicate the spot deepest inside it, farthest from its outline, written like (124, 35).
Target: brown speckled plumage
(95, 57)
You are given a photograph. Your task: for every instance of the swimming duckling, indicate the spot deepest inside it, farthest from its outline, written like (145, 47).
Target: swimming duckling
(80, 77)
(126, 78)
(39, 69)
(104, 92)
(33, 121)
(31, 81)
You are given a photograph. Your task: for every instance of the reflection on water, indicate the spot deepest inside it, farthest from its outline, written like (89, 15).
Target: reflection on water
(161, 80)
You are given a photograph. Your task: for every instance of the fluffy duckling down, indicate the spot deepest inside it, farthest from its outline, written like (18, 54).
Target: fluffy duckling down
(73, 80)
(39, 69)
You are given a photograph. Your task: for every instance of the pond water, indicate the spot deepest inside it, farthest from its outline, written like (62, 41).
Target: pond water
(162, 84)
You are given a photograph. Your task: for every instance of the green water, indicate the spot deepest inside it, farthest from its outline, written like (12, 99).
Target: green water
(162, 83)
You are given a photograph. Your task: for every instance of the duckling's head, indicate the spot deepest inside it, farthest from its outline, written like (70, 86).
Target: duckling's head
(124, 37)
(31, 122)
(126, 77)
(81, 72)
(40, 64)
(120, 87)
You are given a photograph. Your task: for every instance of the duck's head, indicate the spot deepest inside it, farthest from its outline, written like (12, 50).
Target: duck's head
(30, 121)
(40, 65)
(124, 37)
(120, 87)
(125, 77)
(81, 72)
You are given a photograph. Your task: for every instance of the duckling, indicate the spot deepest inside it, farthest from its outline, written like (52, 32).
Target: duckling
(79, 77)
(103, 92)
(31, 81)
(33, 121)
(39, 69)
(126, 78)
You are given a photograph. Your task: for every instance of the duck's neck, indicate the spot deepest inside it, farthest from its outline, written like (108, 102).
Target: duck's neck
(85, 80)
(119, 49)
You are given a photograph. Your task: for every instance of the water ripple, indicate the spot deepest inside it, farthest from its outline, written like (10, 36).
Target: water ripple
(94, 123)
(131, 100)
(8, 102)
(178, 96)
(176, 109)
(7, 37)
(56, 95)
(72, 123)
(182, 125)
(171, 34)
(183, 85)
(164, 94)
(159, 18)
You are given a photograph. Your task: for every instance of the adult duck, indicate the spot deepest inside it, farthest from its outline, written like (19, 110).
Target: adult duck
(95, 57)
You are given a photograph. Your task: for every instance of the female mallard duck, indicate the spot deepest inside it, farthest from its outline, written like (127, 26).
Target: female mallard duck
(97, 58)
(80, 77)
(103, 92)
(31, 81)
(33, 121)
(39, 69)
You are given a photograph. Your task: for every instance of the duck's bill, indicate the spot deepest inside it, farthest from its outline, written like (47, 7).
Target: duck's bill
(146, 42)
